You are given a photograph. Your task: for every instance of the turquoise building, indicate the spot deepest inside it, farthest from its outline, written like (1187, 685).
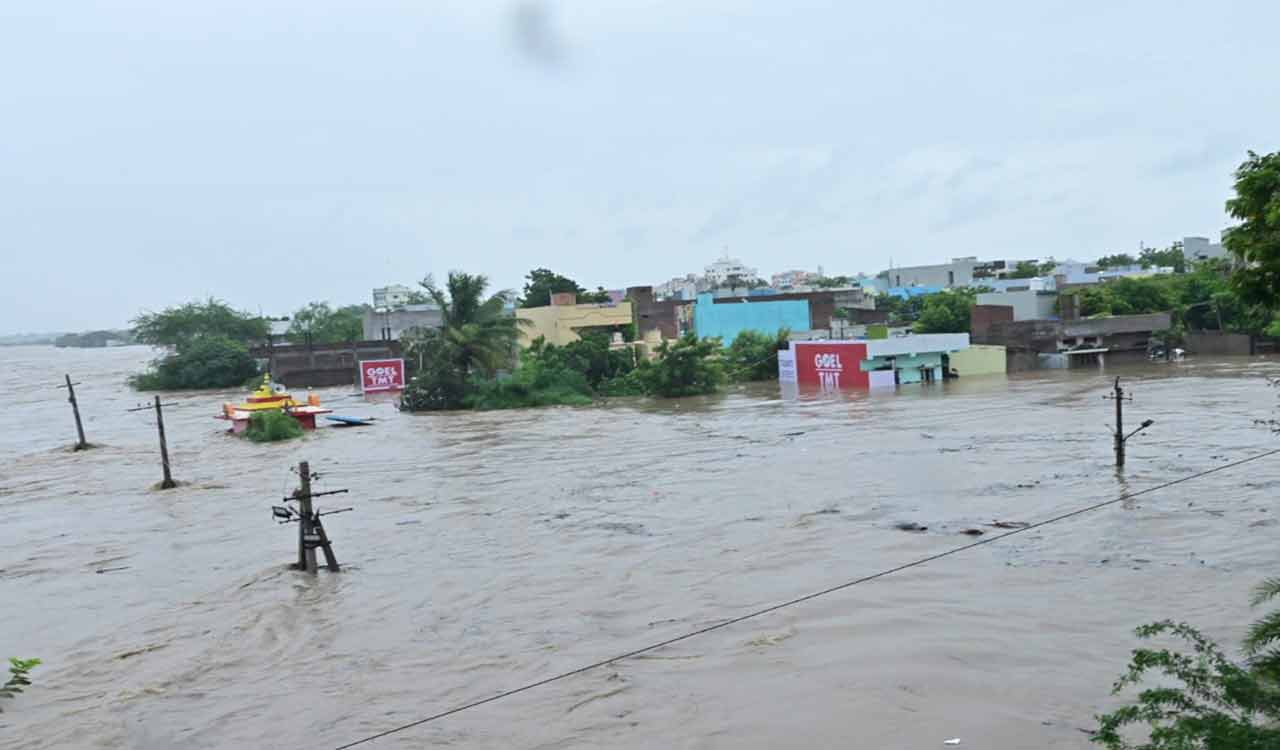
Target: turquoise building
(728, 319)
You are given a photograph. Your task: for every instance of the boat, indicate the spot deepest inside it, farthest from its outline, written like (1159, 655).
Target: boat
(273, 397)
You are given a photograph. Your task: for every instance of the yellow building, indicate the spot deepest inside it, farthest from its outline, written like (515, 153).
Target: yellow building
(978, 359)
(560, 321)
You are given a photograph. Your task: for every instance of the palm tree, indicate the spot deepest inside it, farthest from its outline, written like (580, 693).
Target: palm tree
(1262, 643)
(476, 337)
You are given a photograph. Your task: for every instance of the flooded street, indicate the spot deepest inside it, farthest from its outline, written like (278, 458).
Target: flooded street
(487, 550)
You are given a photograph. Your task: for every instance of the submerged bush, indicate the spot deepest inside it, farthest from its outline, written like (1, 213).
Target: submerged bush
(753, 355)
(692, 367)
(207, 362)
(271, 425)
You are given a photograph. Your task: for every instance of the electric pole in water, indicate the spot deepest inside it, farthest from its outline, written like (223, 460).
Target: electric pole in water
(311, 532)
(81, 444)
(1120, 438)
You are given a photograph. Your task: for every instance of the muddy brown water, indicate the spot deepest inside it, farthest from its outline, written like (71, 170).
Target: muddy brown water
(492, 549)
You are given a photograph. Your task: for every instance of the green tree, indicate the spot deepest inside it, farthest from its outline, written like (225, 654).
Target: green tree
(1046, 268)
(690, 367)
(753, 355)
(541, 283)
(1025, 269)
(207, 362)
(476, 338)
(319, 323)
(179, 326)
(832, 282)
(1203, 700)
(1255, 241)
(946, 312)
(1117, 260)
(1170, 257)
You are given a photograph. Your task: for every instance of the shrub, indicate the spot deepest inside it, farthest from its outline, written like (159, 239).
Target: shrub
(272, 425)
(440, 384)
(18, 679)
(206, 362)
(691, 367)
(535, 383)
(1204, 701)
(753, 355)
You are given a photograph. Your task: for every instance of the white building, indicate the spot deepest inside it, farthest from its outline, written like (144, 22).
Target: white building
(391, 296)
(1196, 249)
(959, 272)
(719, 271)
(792, 279)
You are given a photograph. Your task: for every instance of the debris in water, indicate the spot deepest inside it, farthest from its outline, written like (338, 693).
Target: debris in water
(909, 526)
(1009, 524)
(952, 741)
(112, 570)
(973, 532)
(792, 434)
(406, 523)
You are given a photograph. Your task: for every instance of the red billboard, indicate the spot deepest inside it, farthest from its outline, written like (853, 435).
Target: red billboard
(381, 375)
(830, 365)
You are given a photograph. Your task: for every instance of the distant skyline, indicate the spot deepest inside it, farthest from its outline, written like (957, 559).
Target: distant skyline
(273, 154)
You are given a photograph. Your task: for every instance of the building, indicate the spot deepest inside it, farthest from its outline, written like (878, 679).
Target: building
(869, 363)
(1199, 249)
(390, 323)
(680, 287)
(1026, 304)
(959, 272)
(652, 314)
(563, 321)
(727, 318)
(979, 359)
(393, 295)
(1091, 342)
(719, 272)
(792, 279)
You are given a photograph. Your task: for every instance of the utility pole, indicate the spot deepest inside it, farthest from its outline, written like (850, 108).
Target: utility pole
(306, 552)
(1118, 433)
(311, 532)
(81, 443)
(167, 483)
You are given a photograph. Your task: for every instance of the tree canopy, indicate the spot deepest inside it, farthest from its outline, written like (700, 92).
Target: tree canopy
(179, 326)
(541, 283)
(1025, 269)
(1170, 257)
(946, 312)
(319, 323)
(1255, 241)
(1117, 260)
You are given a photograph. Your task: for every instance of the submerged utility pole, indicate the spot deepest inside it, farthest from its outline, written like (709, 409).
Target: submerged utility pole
(81, 443)
(167, 483)
(311, 532)
(1118, 433)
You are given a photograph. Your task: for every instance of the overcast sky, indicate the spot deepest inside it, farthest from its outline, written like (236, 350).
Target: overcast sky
(271, 153)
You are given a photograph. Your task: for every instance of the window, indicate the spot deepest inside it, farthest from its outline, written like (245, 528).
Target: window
(951, 278)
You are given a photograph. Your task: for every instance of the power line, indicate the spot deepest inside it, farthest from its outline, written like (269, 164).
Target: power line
(802, 599)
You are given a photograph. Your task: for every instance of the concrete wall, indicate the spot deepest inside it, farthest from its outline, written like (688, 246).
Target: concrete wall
(728, 319)
(982, 317)
(320, 365)
(1218, 343)
(559, 324)
(979, 359)
(958, 272)
(1027, 305)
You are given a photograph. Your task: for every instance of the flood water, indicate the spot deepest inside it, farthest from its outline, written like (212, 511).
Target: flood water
(487, 550)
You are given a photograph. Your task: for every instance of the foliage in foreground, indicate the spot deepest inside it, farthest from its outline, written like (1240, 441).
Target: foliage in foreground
(1203, 700)
(18, 679)
(207, 362)
(271, 426)
(1255, 242)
